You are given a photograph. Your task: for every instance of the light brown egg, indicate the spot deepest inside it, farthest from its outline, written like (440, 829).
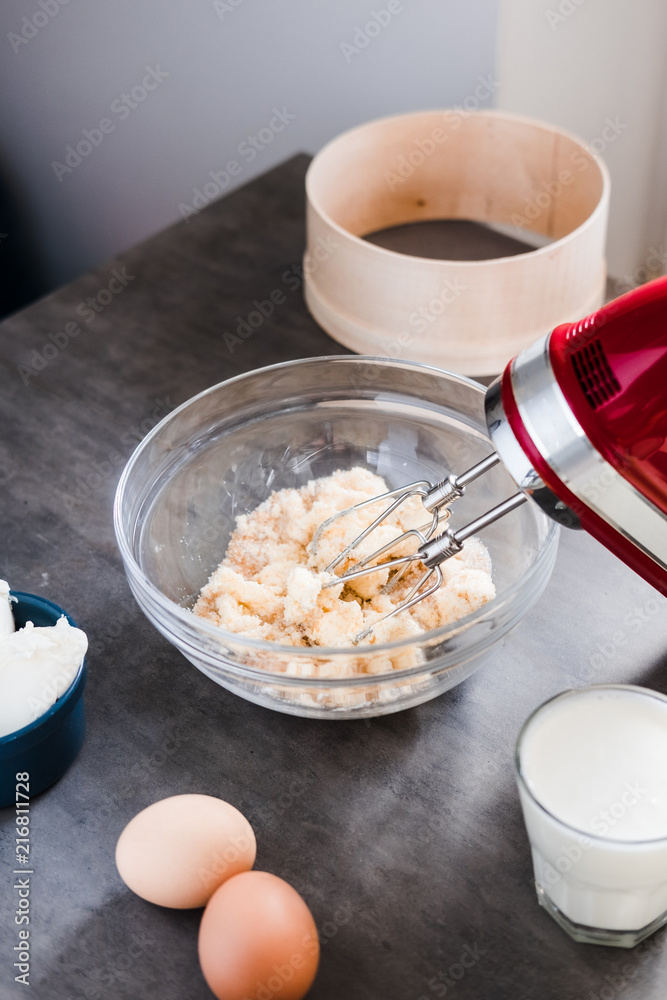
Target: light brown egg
(258, 939)
(177, 851)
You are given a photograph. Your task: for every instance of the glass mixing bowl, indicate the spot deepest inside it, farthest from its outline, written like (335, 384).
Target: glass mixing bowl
(226, 450)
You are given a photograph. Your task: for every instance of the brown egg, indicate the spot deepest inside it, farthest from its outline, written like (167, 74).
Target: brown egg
(258, 940)
(177, 851)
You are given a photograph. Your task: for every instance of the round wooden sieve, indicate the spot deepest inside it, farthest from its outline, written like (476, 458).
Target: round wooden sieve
(485, 166)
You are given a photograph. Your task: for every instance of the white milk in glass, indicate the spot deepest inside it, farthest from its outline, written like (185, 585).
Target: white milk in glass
(592, 775)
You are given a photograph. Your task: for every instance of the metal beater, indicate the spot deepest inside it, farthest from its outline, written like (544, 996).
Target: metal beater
(432, 550)
(579, 420)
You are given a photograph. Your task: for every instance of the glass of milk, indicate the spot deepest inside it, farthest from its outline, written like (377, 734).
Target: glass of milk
(591, 767)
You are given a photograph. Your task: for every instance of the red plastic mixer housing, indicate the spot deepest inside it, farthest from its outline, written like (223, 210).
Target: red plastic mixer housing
(610, 371)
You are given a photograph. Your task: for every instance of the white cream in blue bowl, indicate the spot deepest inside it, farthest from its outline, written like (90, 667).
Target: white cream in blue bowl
(42, 676)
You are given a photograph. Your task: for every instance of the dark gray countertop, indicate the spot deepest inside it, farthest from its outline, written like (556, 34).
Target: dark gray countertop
(404, 833)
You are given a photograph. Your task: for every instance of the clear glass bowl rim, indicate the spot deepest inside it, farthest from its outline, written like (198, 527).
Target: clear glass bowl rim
(219, 634)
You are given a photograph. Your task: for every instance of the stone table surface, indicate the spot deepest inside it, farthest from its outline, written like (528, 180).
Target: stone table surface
(403, 833)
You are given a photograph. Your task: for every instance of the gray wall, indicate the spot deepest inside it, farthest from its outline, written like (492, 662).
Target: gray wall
(599, 68)
(228, 64)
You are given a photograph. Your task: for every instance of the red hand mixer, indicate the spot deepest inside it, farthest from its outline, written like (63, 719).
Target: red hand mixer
(579, 420)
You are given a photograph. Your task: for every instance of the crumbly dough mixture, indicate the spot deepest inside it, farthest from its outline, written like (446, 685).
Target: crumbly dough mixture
(270, 583)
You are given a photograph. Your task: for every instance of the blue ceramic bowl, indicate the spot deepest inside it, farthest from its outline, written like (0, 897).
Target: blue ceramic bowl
(46, 747)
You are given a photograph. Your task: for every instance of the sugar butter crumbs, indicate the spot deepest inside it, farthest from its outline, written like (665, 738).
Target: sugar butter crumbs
(270, 584)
